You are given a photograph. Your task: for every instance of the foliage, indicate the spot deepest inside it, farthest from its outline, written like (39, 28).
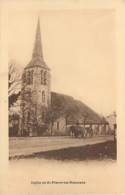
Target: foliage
(14, 83)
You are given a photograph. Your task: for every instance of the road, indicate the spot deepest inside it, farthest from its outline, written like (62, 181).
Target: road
(29, 145)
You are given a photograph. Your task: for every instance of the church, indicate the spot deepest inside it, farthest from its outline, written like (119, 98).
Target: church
(38, 101)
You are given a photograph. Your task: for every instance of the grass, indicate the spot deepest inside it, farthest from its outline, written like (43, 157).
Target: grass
(100, 151)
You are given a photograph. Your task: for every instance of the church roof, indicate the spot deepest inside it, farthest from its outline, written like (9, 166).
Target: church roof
(74, 110)
(37, 55)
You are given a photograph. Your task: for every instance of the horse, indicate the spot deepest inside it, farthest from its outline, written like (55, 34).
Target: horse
(78, 131)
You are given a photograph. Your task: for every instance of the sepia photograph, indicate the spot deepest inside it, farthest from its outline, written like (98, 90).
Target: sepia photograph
(61, 99)
(62, 75)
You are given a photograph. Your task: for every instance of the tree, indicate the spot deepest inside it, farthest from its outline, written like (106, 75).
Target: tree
(51, 116)
(14, 83)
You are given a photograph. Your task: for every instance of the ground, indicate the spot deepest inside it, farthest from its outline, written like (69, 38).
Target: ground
(62, 147)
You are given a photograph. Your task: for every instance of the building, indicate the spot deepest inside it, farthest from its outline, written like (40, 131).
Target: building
(35, 92)
(43, 112)
(112, 121)
(69, 112)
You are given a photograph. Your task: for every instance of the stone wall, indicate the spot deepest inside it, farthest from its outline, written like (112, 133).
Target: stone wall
(35, 100)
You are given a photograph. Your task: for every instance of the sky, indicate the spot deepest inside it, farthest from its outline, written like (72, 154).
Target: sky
(78, 46)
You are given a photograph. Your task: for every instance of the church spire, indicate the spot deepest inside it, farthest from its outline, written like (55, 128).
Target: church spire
(37, 51)
(37, 55)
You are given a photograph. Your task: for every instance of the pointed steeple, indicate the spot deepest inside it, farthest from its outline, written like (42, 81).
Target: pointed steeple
(37, 51)
(37, 55)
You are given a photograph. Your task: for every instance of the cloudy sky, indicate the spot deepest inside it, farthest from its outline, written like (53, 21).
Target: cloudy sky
(79, 48)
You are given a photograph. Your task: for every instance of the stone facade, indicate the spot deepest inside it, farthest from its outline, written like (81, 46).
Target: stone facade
(35, 93)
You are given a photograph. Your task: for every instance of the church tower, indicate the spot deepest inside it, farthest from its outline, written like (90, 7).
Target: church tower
(35, 93)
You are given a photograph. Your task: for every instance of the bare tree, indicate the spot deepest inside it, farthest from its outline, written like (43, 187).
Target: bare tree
(14, 83)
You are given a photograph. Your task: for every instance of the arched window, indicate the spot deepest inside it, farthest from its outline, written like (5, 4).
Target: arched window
(24, 77)
(43, 96)
(45, 78)
(42, 77)
(28, 78)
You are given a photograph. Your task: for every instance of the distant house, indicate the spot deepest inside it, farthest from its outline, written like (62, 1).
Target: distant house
(112, 121)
